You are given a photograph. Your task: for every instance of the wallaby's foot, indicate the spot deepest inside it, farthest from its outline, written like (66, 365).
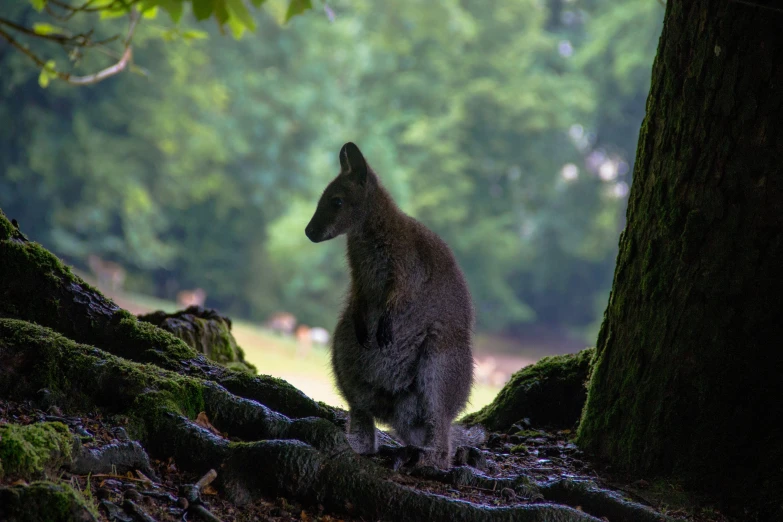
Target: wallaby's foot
(470, 456)
(435, 457)
(361, 433)
(401, 457)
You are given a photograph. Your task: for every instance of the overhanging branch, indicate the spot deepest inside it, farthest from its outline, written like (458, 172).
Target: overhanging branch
(89, 79)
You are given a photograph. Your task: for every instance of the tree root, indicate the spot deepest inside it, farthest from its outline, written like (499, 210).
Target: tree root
(585, 494)
(599, 501)
(305, 459)
(122, 456)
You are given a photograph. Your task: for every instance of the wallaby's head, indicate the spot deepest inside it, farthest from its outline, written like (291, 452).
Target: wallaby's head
(344, 203)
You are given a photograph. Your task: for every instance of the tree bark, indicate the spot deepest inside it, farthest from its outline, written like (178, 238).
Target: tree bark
(687, 376)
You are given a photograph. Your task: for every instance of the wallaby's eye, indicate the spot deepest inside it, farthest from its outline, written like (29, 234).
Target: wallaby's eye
(337, 202)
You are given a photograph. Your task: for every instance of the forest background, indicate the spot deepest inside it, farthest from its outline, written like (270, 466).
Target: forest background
(507, 127)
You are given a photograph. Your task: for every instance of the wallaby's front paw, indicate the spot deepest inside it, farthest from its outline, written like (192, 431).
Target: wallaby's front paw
(384, 333)
(398, 457)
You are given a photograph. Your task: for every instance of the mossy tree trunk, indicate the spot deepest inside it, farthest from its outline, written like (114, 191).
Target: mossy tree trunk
(687, 376)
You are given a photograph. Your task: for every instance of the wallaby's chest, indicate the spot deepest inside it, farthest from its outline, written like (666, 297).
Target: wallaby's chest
(371, 273)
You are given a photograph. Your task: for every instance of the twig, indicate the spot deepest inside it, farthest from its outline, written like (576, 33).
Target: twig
(203, 513)
(85, 7)
(89, 79)
(207, 479)
(59, 38)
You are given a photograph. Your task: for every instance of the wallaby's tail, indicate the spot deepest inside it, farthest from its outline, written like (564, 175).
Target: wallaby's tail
(463, 436)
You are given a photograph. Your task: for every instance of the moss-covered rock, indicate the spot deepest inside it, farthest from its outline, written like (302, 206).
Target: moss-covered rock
(206, 331)
(44, 501)
(33, 450)
(549, 393)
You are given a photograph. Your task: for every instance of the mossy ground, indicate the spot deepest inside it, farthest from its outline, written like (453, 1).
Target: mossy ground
(550, 393)
(45, 501)
(32, 450)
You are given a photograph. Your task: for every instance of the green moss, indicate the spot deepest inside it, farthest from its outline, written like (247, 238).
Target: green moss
(549, 393)
(78, 375)
(133, 335)
(7, 229)
(32, 450)
(205, 331)
(45, 501)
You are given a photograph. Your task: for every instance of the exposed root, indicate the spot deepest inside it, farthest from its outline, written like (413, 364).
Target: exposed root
(314, 465)
(122, 457)
(601, 502)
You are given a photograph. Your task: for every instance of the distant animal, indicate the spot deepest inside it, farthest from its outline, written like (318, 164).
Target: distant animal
(282, 323)
(401, 350)
(110, 275)
(484, 368)
(304, 340)
(195, 297)
(488, 372)
(319, 336)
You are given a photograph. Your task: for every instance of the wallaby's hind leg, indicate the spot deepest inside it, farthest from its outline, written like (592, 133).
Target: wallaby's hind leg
(361, 433)
(423, 418)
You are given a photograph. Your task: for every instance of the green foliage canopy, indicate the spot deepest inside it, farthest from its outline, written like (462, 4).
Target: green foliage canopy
(507, 127)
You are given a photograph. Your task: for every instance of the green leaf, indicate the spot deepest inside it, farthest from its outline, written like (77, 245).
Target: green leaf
(237, 27)
(173, 8)
(43, 79)
(38, 5)
(150, 13)
(202, 9)
(297, 7)
(221, 12)
(239, 10)
(257, 3)
(47, 73)
(114, 12)
(194, 34)
(44, 29)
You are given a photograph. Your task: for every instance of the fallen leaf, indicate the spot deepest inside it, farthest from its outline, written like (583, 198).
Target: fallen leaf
(203, 421)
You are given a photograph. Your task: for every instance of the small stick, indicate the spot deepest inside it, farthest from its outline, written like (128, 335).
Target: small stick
(207, 479)
(203, 513)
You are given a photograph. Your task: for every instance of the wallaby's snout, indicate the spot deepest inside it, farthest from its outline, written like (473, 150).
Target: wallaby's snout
(315, 233)
(310, 233)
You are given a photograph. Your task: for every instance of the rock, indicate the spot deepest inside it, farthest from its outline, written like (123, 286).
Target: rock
(549, 393)
(508, 494)
(206, 331)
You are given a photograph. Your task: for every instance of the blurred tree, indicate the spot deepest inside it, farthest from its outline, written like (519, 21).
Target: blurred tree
(480, 120)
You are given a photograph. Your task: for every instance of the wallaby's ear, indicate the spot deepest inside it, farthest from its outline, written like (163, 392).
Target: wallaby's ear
(352, 162)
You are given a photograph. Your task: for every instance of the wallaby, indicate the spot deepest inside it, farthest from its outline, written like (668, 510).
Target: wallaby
(187, 298)
(110, 275)
(402, 348)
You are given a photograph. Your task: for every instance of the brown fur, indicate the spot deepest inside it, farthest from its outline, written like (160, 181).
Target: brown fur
(402, 347)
